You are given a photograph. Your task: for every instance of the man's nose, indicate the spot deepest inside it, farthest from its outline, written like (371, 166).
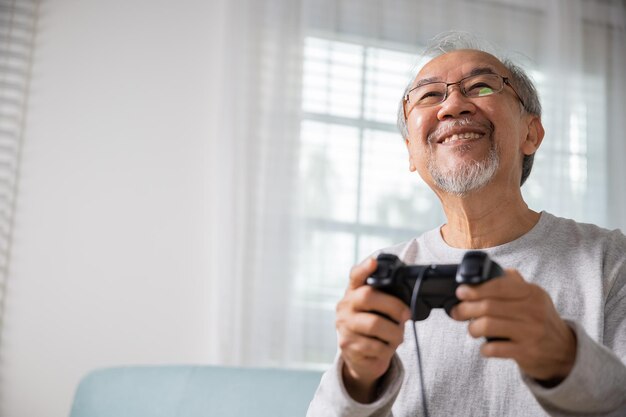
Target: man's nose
(455, 105)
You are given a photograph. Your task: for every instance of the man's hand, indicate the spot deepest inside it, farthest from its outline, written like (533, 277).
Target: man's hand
(368, 340)
(541, 343)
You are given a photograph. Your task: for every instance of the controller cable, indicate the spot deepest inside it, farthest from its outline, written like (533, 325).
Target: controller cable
(416, 290)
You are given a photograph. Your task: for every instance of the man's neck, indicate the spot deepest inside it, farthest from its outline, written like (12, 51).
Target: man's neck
(481, 221)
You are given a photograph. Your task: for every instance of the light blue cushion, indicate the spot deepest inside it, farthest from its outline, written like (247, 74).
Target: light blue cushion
(194, 391)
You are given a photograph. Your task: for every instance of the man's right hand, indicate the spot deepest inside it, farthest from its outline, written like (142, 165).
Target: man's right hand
(368, 340)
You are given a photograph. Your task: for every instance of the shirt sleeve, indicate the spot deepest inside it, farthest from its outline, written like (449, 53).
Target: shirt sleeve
(332, 399)
(596, 384)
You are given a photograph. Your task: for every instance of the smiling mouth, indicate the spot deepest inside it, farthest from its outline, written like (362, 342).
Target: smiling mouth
(461, 137)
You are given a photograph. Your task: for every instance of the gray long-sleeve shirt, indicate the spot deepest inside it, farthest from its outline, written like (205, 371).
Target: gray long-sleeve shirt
(581, 266)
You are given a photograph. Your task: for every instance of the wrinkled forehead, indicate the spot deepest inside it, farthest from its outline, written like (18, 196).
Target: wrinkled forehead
(454, 65)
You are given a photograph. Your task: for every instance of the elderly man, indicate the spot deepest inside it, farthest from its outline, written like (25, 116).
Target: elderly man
(471, 125)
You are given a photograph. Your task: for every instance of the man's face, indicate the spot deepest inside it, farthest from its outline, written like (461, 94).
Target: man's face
(464, 143)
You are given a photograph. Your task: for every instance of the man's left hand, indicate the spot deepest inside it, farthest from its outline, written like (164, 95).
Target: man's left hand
(508, 307)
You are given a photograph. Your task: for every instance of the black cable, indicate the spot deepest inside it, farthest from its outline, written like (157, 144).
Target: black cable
(416, 290)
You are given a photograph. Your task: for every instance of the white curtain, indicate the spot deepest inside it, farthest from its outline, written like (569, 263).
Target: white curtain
(254, 157)
(17, 32)
(309, 174)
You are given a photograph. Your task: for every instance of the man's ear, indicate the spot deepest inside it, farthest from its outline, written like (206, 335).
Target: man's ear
(534, 137)
(412, 167)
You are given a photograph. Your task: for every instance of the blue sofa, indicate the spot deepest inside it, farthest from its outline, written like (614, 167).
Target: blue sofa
(194, 391)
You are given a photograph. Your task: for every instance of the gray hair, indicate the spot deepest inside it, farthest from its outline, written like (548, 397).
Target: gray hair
(452, 41)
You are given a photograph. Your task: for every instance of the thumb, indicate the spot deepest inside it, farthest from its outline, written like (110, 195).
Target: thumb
(360, 272)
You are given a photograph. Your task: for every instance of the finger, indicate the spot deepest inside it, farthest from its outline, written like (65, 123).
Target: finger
(489, 307)
(505, 349)
(358, 347)
(360, 272)
(510, 286)
(368, 299)
(500, 349)
(372, 325)
(491, 327)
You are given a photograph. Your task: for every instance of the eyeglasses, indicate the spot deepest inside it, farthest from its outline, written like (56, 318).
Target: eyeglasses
(480, 85)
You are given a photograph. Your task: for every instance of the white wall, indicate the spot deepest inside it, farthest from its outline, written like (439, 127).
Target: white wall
(108, 260)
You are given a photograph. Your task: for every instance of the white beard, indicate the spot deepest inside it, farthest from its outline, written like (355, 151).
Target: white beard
(469, 176)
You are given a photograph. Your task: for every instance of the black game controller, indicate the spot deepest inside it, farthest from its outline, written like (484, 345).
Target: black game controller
(438, 282)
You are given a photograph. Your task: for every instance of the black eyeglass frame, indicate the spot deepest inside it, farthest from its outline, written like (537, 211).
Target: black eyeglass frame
(505, 81)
